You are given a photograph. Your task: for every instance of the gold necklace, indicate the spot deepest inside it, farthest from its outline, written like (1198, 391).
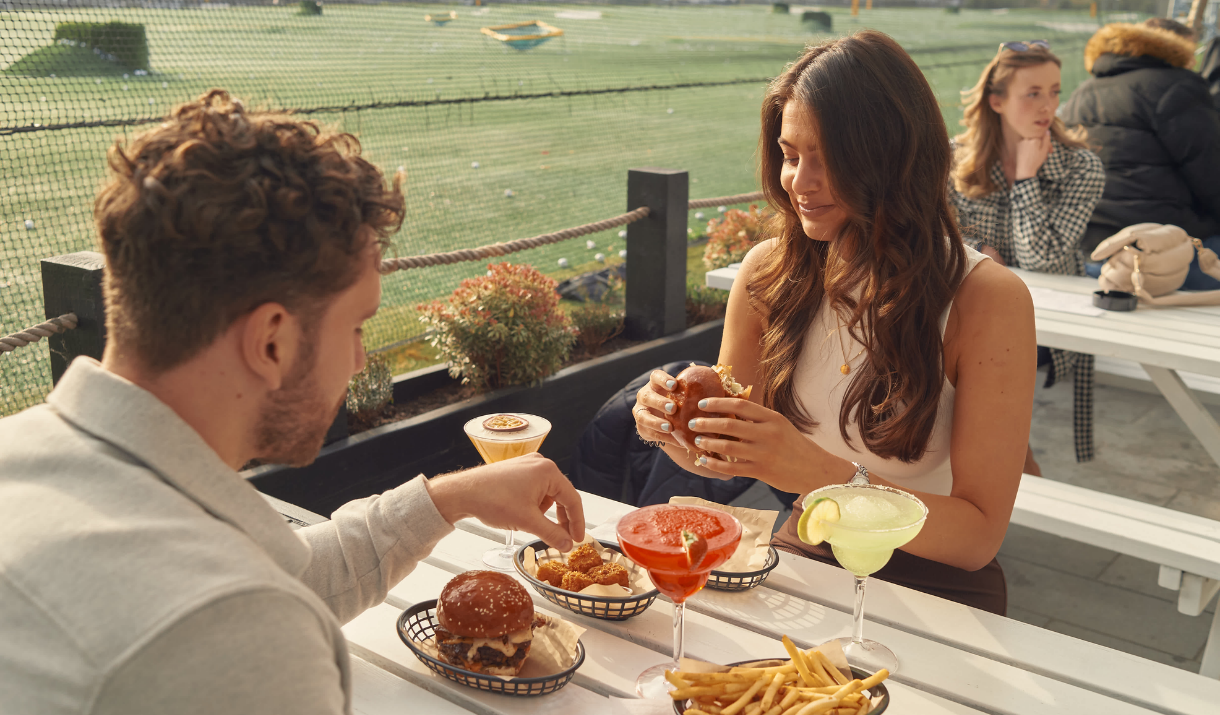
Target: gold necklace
(845, 368)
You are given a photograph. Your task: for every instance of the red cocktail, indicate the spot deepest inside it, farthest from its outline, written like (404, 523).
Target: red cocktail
(677, 562)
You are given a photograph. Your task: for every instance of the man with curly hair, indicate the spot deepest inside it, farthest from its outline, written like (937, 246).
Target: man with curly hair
(139, 573)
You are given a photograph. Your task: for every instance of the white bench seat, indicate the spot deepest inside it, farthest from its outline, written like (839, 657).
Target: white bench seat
(1185, 546)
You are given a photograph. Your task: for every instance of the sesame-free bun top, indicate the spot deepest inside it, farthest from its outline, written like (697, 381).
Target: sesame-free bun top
(484, 604)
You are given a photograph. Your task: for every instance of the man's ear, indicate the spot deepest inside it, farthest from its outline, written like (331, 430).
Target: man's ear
(270, 339)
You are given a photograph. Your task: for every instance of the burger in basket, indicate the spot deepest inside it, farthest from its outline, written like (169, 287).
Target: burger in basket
(694, 384)
(486, 623)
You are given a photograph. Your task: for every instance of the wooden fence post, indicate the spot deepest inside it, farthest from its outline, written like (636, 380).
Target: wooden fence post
(73, 284)
(656, 253)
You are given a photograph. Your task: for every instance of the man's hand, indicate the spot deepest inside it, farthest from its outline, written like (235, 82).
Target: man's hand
(514, 494)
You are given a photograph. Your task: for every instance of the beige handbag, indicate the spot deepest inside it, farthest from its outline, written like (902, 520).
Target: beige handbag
(1151, 260)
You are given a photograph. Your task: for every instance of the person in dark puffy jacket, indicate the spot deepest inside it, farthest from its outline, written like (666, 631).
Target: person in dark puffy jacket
(1209, 67)
(1156, 129)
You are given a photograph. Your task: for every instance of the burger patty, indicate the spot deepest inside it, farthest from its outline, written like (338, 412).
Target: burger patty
(487, 656)
(454, 649)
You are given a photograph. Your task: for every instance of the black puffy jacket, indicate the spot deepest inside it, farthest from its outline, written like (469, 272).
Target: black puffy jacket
(1156, 129)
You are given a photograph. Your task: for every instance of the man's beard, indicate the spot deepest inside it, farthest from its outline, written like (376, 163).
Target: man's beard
(295, 418)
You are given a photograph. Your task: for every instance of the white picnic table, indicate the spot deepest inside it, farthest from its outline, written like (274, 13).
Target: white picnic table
(954, 660)
(1163, 340)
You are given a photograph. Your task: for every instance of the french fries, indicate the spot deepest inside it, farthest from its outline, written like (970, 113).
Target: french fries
(807, 684)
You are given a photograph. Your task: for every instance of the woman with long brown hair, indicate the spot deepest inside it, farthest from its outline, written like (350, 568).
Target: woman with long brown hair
(878, 344)
(1024, 187)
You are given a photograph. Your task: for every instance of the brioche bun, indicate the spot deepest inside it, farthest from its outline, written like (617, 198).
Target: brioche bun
(694, 384)
(484, 604)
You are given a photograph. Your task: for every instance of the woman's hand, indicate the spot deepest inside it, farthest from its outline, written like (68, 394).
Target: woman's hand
(1031, 154)
(767, 447)
(654, 410)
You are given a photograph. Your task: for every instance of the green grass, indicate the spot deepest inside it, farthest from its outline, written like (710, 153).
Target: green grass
(565, 159)
(64, 61)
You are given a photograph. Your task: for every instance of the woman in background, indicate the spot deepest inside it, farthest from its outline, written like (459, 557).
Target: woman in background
(1024, 188)
(874, 339)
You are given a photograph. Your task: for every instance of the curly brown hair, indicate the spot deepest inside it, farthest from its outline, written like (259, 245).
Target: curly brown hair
(896, 263)
(218, 210)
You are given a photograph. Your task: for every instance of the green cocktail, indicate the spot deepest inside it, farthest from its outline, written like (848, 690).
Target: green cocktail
(864, 523)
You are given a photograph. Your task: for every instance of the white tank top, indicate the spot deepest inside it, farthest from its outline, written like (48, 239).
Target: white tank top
(820, 385)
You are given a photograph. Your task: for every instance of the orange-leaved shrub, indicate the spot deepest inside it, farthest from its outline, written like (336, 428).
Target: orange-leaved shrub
(731, 237)
(504, 328)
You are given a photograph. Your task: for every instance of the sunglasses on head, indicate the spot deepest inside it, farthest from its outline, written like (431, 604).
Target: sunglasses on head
(1025, 46)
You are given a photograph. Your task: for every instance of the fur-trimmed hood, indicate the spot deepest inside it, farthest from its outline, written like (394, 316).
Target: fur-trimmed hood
(1130, 40)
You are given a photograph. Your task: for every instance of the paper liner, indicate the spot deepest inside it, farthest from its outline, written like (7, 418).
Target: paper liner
(553, 649)
(757, 525)
(637, 578)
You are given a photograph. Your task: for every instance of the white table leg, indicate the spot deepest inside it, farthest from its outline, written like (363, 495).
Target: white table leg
(1187, 405)
(1210, 666)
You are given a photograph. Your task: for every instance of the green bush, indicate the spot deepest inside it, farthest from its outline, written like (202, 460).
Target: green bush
(704, 304)
(125, 41)
(819, 19)
(501, 329)
(310, 7)
(371, 389)
(596, 323)
(780, 8)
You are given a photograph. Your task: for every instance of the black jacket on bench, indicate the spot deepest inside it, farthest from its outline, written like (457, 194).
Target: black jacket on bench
(1156, 128)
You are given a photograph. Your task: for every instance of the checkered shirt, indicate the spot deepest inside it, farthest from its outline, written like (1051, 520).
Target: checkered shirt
(1037, 225)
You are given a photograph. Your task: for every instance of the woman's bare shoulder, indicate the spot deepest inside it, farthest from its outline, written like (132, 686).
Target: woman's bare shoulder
(990, 292)
(757, 257)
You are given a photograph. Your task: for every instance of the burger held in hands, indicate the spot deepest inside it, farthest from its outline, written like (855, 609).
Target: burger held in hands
(696, 383)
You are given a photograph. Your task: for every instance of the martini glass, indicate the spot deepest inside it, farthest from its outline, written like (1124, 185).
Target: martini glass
(873, 521)
(499, 437)
(652, 538)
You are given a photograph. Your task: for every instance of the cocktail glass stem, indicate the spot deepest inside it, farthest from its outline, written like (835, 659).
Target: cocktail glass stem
(857, 631)
(679, 632)
(509, 545)
(652, 683)
(868, 655)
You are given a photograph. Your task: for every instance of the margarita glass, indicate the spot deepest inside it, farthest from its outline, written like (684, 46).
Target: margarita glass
(653, 538)
(499, 437)
(873, 521)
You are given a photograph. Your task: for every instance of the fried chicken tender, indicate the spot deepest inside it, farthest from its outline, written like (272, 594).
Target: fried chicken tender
(552, 572)
(583, 558)
(609, 574)
(576, 581)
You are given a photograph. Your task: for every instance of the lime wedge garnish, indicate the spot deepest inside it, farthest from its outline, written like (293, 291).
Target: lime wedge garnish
(810, 527)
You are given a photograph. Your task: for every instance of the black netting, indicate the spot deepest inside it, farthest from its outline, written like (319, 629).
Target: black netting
(498, 143)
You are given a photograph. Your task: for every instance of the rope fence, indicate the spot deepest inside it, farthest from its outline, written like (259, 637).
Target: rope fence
(390, 265)
(722, 200)
(31, 335)
(8, 343)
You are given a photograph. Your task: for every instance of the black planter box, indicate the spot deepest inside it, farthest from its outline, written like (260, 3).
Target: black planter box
(434, 443)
